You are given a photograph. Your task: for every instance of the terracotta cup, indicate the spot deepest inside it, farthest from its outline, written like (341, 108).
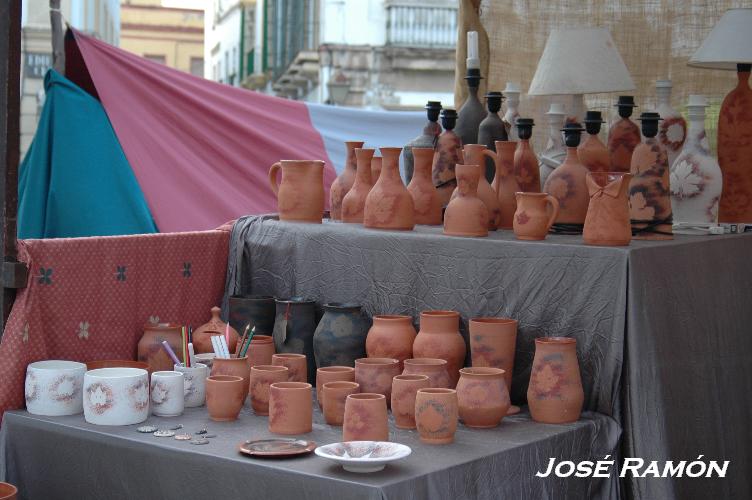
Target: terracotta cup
(375, 375)
(237, 367)
(260, 351)
(434, 368)
(290, 408)
(404, 390)
(492, 344)
(555, 394)
(335, 394)
(296, 364)
(482, 396)
(224, 396)
(436, 413)
(391, 336)
(531, 220)
(8, 491)
(262, 376)
(365, 418)
(332, 374)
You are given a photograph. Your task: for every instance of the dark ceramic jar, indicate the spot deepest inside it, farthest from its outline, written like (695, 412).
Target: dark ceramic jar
(340, 336)
(255, 310)
(294, 326)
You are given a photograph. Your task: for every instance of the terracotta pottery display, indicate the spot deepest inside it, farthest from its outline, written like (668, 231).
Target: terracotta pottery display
(491, 130)
(118, 363)
(344, 181)
(512, 92)
(471, 113)
(332, 374)
(592, 152)
(300, 195)
(466, 214)
(436, 413)
(389, 205)
(355, 200)
(448, 154)
(391, 336)
(525, 162)
(340, 336)
(555, 394)
(262, 376)
(439, 337)
(297, 366)
(365, 418)
(116, 396)
(673, 129)
(404, 390)
(532, 221)
(623, 136)
(555, 152)
(8, 491)
(427, 139)
(290, 410)
(258, 311)
(194, 383)
(425, 197)
(260, 351)
(54, 387)
(433, 368)
(150, 350)
(567, 184)
(334, 397)
(493, 344)
(375, 168)
(649, 194)
(202, 335)
(607, 222)
(482, 396)
(167, 390)
(375, 375)
(294, 327)
(476, 154)
(237, 367)
(505, 183)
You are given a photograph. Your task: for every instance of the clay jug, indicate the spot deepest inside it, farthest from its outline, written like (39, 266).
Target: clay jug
(567, 184)
(391, 336)
(592, 152)
(355, 199)
(466, 214)
(525, 162)
(340, 335)
(436, 413)
(491, 130)
(300, 195)
(344, 181)
(294, 327)
(482, 396)
(673, 129)
(623, 136)
(439, 337)
(555, 394)
(375, 168)
(389, 205)
(215, 326)
(531, 220)
(425, 197)
(505, 183)
(448, 154)
(476, 154)
(150, 348)
(607, 222)
(427, 139)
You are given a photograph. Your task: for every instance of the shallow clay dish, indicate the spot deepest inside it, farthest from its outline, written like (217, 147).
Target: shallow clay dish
(276, 448)
(363, 456)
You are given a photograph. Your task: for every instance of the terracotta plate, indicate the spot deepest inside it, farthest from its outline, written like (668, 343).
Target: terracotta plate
(276, 447)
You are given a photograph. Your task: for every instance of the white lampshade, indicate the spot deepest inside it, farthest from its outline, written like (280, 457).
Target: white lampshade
(729, 44)
(580, 61)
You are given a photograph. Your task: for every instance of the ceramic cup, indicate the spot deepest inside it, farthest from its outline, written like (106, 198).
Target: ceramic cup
(436, 413)
(375, 375)
(296, 364)
(260, 351)
(262, 376)
(404, 390)
(116, 396)
(167, 394)
(53, 387)
(8, 491)
(365, 418)
(290, 408)
(224, 396)
(332, 374)
(194, 379)
(237, 367)
(482, 396)
(334, 395)
(206, 358)
(434, 368)
(117, 363)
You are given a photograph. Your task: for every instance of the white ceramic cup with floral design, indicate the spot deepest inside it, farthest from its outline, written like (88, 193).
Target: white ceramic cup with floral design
(53, 387)
(116, 396)
(194, 379)
(167, 388)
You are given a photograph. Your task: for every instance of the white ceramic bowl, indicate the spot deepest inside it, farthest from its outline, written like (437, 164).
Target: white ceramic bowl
(195, 383)
(116, 396)
(53, 387)
(363, 456)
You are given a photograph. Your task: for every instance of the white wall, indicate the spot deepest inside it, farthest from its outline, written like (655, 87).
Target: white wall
(222, 40)
(353, 22)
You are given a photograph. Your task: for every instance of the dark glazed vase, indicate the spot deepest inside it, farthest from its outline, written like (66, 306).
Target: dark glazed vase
(471, 113)
(255, 310)
(294, 327)
(492, 129)
(340, 337)
(427, 139)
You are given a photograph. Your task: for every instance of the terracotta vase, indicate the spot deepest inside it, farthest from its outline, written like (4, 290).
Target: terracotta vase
(491, 130)
(237, 367)
(335, 395)
(389, 205)
(300, 195)
(290, 409)
(532, 221)
(355, 200)
(215, 326)
(340, 336)
(433, 368)
(555, 152)
(344, 181)
(592, 152)
(260, 351)
(254, 310)
(375, 375)
(436, 413)
(294, 328)
(224, 397)
(482, 396)
(476, 154)
(525, 162)
(365, 418)
(512, 91)
(375, 168)
(567, 184)
(672, 130)
(439, 337)
(150, 350)
(262, 376)
(404, 390)
(425, 197)
(493, 344)
(466, 214)
(623, 136)
(505, 183)
(607, 222)
(332, 374)
(427, 139)
(8, 491)
(448, 154)
(555, 394)
(471, 113)
(391, 336)
(297, 366)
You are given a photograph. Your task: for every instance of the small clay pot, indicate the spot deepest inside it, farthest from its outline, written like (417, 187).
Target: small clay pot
(203, 334)
(297, 366)
(492, 344)
(334, 396)
(436, 413)
(555, 394)
(332, 374)
(482, 396)
(365, 418)
(355, 200)
(224, 396)
(391, 336)
(404, 390)
(262, 376)
(439, 337)
(435, 369)
(466, 215)
(531, 220)
(375, 375)
(233, 366)
(260, 351)
(290, 409)
(8, 491)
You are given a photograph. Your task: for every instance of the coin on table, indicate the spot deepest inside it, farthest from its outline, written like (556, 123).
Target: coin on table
(202, 431)
(200, 441)
(163, 433)
(146, 429)
(183, 437)
(209, 436)
(176, 427)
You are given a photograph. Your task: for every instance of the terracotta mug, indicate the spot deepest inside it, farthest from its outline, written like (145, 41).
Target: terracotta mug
(296, 364)
(233, 366)
(224, 396)
(482, 396)
(404, 390)
(332, 374)
(262, 376)
(492, 343)
(290, 408)
(365, 418)
(334, 397)
(260, 351)
(376, 374)
(436, 413)
(531, 220)
(434, 368)
(300, 195)
(8, 491)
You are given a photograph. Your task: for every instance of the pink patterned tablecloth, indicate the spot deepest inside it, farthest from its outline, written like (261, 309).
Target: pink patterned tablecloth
(89, 298)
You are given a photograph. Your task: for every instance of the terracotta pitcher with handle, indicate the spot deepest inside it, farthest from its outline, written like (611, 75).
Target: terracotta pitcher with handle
(300, 195)
(475, 154)
(532, 220)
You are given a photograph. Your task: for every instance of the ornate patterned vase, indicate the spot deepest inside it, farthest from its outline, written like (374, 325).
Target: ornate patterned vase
(525, 161)
(555, 394)
(340, 336)
(592, 152)
(607, 222)
(623, 136)
(425, 197)
(354, 201)
(512, 91)
(673, 129)
(466, 214)
(439, 337)
(448, 154)
(505, 183)
(428, 139)
(555, 152)
(567, 184)
(492, 129)
(389, 205)
(344, 181)
(294, 327)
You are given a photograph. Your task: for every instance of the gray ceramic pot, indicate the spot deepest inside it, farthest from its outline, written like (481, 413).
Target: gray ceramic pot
(294, 326)
(340, 337)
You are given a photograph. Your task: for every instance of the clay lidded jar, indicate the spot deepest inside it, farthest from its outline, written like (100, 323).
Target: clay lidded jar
(8, 491)
(439, 337)
(344, 181)
(482, 396)
(525, 162)
(262, 376)
(332, 374)
(355, 200)
(365, 418)
(592, 152)
(425, 197)
(505, 183)
(435, 369)
(531, 220)
(254, 311)
(375, 375)
(623, 136)
(340, 336)
(215, 326)
(335, 395)
(237, 367)
(300, 195)
(260, 351)
(389, 205)
(436, 413)
(290, 408)
(567, 184)
(375, 168)
(492, 344)
(477, 154)
(466, 215)
(607, 222)
(150, 348)
(391, 336)
(555, 394)
(404, 390)
(297, 365)
(224, 396)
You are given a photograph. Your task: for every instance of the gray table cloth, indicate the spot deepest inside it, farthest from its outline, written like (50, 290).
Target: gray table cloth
(663, 328)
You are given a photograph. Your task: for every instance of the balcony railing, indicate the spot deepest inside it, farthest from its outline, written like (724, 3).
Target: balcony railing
(421, 26)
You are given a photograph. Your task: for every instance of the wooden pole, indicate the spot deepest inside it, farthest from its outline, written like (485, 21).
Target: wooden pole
(58, 37)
